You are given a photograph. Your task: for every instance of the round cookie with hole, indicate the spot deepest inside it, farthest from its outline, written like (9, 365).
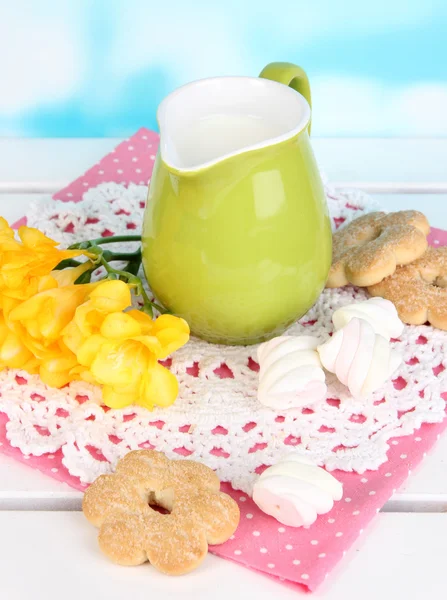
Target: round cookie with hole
(371, 247)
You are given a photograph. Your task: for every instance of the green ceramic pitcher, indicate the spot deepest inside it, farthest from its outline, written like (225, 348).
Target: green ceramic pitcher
(236, 234)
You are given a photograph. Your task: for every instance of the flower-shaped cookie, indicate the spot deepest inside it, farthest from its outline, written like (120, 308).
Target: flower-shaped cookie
(419, 290)
(131, 532)
(371, 247)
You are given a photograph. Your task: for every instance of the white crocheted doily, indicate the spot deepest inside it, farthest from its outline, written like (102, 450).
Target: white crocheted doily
(218, 420)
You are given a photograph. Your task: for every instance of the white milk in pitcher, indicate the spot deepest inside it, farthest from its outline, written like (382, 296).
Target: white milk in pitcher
(215, 136)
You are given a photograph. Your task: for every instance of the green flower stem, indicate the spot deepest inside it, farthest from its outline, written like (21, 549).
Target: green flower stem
(147, 304)
(161, 309)
(110, 257)
(111, 271)
(116, 238)
(113, 256)
(105, 257)
(105, 240)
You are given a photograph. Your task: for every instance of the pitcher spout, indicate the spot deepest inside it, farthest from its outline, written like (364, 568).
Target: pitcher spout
(208, 121)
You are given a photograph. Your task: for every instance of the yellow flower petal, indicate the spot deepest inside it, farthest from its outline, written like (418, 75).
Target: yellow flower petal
(72, 337)
(56, 379)
(172, 332)
(121, 363)
(69, 276)
(88, 377)
(89, 349)
(46, 314)
(5, 229)
(59, 370)
(16, 257)
(171, 322)
(111, 296)
(119, 325)
(46, 282)
(160, 389)
(88, 319)
(9, 244)
(171, 340)
(14, 278)
(144, 320)
(64, 362)
(13, 353)
(117, 399)
(32, 366)
(151, 343)
(33, 238)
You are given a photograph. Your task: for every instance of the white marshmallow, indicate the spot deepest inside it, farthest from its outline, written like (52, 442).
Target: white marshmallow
(295, 491)
(361, 359)
(290, 373)
(381, 314)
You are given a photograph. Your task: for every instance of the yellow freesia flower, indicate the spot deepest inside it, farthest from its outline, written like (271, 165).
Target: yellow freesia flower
(107, 297)
(5, 229)
(40, 320)
(121, 350)
(13, 352)
(129, 372)
(61, 368)
(24, 261)
(66, 332)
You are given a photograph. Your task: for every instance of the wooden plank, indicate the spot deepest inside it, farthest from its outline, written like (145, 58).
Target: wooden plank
(15, 206)
(400, 556)
(22, 488)
(380, 165)
(434, 206)
(47, 165)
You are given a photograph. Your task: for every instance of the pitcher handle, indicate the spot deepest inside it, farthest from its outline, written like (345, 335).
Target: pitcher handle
(291, 75)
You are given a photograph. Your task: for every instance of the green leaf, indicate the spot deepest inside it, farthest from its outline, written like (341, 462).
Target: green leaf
(84, 277)
(68, 262)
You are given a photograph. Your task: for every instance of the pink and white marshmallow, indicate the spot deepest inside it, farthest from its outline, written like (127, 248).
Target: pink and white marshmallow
(295, 491)
(361, 359)
(380, 313)
(290, 373)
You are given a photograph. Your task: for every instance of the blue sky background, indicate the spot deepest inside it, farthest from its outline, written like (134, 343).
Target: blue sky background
(101, 67)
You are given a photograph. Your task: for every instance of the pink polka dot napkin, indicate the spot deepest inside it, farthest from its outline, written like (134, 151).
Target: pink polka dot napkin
(297, 556)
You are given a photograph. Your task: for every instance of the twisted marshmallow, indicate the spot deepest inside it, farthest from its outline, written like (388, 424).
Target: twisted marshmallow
(295, 491)
(290, 373)
(361, 359)
(381, 314)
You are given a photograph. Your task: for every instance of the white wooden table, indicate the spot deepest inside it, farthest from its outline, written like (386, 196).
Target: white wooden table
(48, 550)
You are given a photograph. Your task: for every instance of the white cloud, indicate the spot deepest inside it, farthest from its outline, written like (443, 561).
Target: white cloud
(303, 20)
(422, 109)
(41, 59)
(204, 38)
(185, 41)
(355, 106)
